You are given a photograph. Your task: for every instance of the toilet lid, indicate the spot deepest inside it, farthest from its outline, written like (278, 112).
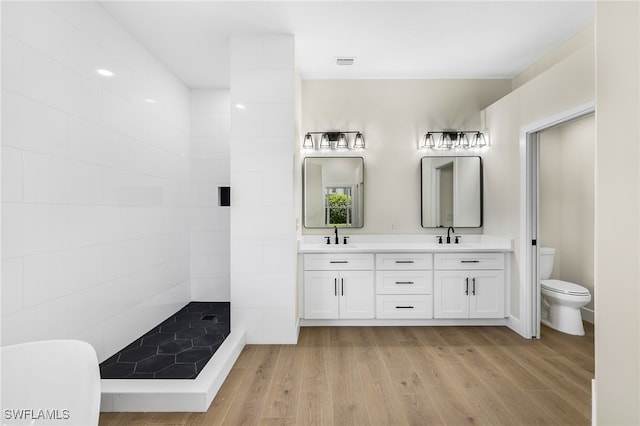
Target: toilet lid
(564, 287)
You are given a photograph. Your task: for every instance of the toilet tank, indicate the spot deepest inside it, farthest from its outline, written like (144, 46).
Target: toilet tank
(547, 255)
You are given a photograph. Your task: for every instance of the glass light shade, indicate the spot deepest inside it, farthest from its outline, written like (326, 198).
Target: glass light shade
(342, 142)
(445, 141)
(358, 143)
(463, 140)
(324, 142)
(479, 140)
(428, 141)
(308, 142)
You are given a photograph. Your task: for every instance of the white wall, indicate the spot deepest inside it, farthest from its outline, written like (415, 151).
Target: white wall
(95, 180)
(210, 129)
(263, 226)
(617, 239)
(567, 187)
(567, 84)
(393, 115)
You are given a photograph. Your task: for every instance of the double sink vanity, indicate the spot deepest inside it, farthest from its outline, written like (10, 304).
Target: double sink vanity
(385, 278)
(400, 279)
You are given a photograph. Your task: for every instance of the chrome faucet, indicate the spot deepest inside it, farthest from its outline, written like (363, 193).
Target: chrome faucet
(335, 229)
(448, 236)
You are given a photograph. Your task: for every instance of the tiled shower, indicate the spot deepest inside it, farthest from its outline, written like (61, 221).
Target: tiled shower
(109, 183)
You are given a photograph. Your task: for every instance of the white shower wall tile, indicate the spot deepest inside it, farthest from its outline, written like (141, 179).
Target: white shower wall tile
(12, 175)
(247, 122)
(216, 147)
(277, 122)
(210, 289)
(210, 242)
(11, 55)
(262, 85)
(12, 285)
(279, 325)
(209, 265)
(49, 136)
(52, 275)
(34, 228)
(207, 219)
(210, 101)
(101, 226)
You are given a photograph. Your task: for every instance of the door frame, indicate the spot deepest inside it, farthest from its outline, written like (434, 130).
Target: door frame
(529, 326)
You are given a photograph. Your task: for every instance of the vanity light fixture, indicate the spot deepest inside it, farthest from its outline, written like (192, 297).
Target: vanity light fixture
(334, 140)
(449, 139)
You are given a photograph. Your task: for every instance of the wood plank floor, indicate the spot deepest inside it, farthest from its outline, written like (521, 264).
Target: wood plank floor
(401, 376)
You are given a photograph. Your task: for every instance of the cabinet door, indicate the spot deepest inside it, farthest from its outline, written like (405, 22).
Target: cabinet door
(450, 299)
(356, 294)
(321, 294)
(488, 300)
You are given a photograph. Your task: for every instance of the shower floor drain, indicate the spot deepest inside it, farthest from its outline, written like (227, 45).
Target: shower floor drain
(178, 348)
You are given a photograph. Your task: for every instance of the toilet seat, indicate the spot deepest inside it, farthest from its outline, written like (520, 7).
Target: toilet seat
(564, 287)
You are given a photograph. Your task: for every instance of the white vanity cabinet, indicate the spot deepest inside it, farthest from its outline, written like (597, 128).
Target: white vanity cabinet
(469, 285)
(404, 283)
(338, 286)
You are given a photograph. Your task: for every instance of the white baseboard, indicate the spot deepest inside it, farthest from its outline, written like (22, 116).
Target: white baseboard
(588, 315)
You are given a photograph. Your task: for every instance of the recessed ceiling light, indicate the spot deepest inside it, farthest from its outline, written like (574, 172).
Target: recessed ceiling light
(151, 101)
(105, 73)
(344, 61)
(240, 106)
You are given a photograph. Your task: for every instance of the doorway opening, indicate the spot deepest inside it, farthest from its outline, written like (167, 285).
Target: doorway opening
(531, 214)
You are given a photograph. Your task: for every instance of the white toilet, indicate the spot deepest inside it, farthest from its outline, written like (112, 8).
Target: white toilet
(561, 300)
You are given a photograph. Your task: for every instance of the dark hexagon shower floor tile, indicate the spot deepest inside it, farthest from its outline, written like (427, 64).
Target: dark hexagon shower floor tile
(178, 348)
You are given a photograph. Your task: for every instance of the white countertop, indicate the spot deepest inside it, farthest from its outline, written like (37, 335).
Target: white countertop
(402, 243)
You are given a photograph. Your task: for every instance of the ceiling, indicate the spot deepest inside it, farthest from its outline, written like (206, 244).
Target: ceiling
(389, 39)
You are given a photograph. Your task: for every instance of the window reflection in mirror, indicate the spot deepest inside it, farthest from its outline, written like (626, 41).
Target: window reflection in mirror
(451, 191)
(333, 192)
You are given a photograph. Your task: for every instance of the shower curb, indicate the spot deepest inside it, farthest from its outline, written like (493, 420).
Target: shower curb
(170, 395)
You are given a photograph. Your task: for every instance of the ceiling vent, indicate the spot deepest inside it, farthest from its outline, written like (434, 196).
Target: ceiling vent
(344, 61)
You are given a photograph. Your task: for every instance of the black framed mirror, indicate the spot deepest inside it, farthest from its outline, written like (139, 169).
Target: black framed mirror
(333, 192)
(451, 191)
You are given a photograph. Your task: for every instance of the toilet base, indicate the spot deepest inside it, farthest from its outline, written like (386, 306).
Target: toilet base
(565, 319)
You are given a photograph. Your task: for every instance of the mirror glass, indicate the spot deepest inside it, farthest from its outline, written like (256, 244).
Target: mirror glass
(333, 192)
(451, 192)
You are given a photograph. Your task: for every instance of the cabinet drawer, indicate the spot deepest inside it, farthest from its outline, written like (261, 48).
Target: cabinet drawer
(404, 306)
(469, 261)
(399, 261)
(338, 262)
(404, 282)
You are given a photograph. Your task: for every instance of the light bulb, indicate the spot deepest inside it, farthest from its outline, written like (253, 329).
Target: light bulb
(358, 143)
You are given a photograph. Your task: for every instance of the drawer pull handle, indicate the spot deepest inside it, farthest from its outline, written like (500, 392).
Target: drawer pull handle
(404, 261)
(404, 282)
(338, 261)
(469, 261)
(404, 307)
